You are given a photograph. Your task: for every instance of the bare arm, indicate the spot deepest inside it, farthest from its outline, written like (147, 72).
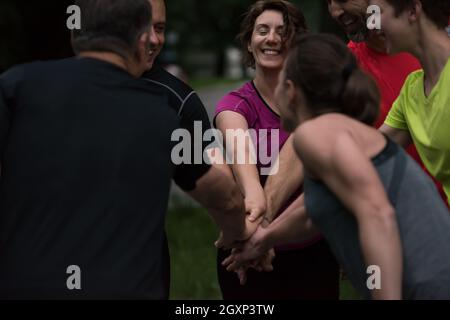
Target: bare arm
(401, 137)
(280, 186)
(293, 225)
(245, 172)
(219, 194)
(348, 172)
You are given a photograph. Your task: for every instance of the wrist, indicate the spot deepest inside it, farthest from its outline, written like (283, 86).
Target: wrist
(266, 240)
(253, 188)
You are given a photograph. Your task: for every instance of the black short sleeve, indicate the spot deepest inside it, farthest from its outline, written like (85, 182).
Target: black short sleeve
(8, 83)
(194, 119)
(191, 111)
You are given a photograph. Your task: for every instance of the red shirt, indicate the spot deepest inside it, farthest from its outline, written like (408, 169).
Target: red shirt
(390, 73)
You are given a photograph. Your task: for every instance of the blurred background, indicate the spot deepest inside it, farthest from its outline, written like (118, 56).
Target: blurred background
(200, 34)
(200, 46)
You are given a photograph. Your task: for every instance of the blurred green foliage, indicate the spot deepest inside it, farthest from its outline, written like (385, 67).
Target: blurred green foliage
(37, 30)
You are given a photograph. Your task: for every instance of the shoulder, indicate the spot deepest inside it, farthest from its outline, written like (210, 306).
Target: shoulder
(14, 76)
(413, 83)
(238, 98)
(174, 86)
(319, 138)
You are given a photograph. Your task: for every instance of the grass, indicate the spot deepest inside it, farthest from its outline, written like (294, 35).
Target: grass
(191, 236)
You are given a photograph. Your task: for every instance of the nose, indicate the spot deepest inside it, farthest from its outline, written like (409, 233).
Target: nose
(335, 9)
(153, 37)
(273, 37)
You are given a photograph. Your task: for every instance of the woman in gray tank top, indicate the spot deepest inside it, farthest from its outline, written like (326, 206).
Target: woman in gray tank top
(381, 215)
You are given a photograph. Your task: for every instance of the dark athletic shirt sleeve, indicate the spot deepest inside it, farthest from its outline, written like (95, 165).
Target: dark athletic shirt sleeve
(186, 103)
(4, 121)
(8, 83)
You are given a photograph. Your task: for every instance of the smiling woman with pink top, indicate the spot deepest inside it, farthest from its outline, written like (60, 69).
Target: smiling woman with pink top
(305, 270)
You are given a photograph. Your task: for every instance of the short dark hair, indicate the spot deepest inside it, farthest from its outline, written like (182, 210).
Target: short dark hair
(437, 11)
(293, 18)
(111, 25)
(326, 72)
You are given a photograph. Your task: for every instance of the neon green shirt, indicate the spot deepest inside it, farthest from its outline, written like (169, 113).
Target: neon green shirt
(428, 121)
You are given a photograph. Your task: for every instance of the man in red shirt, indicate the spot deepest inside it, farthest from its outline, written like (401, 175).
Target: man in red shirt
(368, 46)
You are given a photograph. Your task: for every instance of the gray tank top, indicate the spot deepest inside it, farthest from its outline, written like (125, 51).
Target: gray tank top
(422, 218)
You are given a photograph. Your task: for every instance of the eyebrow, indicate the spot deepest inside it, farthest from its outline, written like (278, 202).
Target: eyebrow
(263, 25)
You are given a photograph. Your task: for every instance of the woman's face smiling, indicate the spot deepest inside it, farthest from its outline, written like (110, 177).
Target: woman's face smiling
(267, 43)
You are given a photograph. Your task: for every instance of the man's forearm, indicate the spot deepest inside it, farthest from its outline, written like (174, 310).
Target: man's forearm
(217, 192)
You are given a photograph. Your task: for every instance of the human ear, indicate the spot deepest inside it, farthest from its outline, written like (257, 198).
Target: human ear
(415, 11)
(249, 48)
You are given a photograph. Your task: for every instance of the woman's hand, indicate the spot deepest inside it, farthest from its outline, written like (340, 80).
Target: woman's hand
(255, 203)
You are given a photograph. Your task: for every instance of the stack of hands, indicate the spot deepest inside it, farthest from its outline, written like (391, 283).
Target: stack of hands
(252, 250)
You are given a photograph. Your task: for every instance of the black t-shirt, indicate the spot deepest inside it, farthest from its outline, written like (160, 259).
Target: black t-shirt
(85, 179)
(191, 111)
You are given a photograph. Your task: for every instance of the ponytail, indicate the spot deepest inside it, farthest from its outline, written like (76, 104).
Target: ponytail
(360, 98)
(326, 71)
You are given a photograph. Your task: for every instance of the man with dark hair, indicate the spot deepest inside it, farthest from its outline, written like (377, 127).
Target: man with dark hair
(85, 168)
(182, 98)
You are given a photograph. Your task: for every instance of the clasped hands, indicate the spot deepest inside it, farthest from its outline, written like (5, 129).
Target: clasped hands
(252, 250)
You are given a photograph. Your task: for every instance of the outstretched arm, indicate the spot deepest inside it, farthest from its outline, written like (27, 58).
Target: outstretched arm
(220, 195)
(280, 186)
(241, 148)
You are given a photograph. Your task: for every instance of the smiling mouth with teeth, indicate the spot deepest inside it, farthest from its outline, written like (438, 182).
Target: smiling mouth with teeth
(271, 52)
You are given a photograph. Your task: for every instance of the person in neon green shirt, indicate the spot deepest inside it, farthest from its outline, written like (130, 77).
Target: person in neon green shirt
(421, 114)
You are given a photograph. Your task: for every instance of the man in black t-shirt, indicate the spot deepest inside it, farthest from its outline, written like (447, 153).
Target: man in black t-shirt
(86, 165)
(182, 98)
